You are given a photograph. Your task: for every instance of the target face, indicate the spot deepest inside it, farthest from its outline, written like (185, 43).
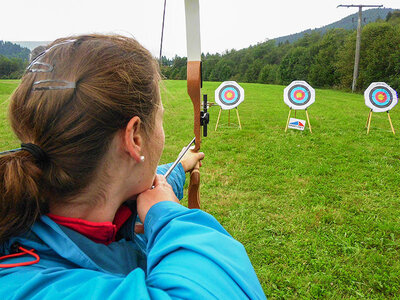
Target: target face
(299, 95)
(380, 97)
(229, 95)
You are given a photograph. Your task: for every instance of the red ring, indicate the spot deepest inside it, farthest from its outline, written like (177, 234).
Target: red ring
(384, 97)
(232, 93)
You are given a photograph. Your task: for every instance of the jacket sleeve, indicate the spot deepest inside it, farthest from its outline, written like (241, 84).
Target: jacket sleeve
(190, 256)
(176, 179)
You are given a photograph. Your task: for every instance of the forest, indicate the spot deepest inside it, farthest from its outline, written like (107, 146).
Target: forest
(323, 60)
(13, 60)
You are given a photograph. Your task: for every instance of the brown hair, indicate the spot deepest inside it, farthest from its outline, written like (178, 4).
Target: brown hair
(115, 79)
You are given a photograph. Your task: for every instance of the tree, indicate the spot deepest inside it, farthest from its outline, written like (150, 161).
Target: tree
(295, 65)
(323, 72)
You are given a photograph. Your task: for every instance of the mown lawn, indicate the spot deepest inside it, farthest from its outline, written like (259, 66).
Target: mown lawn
(318, 213)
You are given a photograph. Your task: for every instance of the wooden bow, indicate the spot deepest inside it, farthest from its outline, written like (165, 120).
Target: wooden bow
(194, 89)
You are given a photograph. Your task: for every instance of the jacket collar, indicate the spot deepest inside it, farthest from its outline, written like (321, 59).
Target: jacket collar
(51, 240)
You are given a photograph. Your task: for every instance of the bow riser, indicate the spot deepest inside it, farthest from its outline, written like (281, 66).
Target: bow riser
(194, 91)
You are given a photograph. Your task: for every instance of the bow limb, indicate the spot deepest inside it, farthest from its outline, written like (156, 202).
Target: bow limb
(194, 89)
(194, 85)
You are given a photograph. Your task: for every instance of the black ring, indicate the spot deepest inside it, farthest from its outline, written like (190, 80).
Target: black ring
(37, 152)
(296, 86)
(234, 88)
(372, 100)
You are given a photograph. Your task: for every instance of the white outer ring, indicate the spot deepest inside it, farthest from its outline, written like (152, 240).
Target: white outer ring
(298, 107)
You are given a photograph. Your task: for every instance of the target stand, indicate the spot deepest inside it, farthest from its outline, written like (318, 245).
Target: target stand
(229, 118)
(380, 97)
(228, 96)
(298, 95)
(288, 119)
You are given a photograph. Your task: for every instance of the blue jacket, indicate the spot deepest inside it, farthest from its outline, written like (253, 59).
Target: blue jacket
(184, 254)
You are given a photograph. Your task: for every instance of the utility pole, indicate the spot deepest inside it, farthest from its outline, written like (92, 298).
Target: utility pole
(358, 41)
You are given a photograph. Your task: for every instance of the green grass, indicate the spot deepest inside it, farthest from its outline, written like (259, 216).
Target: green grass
(318, 213)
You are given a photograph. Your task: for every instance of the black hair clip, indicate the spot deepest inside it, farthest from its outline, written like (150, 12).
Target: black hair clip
(46, 68)
(64, 85)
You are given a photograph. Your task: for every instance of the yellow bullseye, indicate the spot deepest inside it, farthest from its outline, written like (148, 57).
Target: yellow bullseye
(381, 97)
(299, 95)
(229, 95)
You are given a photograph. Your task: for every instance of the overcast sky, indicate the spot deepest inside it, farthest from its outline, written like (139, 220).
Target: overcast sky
(225, 24)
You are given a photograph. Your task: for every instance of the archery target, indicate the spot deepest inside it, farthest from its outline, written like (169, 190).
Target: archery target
(380, 97)
(299, 95)
(229, 95)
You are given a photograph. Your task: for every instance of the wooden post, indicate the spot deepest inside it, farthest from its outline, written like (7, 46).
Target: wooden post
(358, 41)
(237, 113)
(229, 117)
(369, 121)
(369, 115)
(219, 115)
(357, 55)
(288, 119)
(390, 121)
(308, 120)
(295, 111)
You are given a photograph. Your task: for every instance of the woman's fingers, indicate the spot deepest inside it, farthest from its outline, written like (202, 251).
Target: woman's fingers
(161, 191)
(190, 160)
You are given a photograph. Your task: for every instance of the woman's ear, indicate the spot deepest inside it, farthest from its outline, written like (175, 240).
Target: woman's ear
(133, 138)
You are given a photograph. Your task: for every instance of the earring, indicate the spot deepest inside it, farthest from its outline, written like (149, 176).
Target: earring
(142, 158)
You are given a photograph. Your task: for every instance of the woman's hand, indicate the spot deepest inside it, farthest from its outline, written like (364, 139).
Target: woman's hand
(162, 191)
(190, 159)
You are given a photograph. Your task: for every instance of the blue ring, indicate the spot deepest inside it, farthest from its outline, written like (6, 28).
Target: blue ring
(306, 95)
(377, 103)
(226, 100)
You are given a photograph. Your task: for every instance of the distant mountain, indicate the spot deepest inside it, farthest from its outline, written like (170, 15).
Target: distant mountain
(31, 44)
(12, 50)
(349, 23)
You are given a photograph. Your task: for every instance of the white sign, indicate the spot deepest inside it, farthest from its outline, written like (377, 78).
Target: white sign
(297, 124)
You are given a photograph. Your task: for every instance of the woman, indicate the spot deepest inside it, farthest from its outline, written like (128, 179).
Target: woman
(89, 115)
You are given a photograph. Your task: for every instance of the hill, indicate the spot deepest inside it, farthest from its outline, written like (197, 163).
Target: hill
(323, 59)
(348, 23)
(11, 50)
(31, 44)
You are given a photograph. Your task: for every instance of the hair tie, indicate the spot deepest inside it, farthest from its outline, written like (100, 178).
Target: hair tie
(37, 152)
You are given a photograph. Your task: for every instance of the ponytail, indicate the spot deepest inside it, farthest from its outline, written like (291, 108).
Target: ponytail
(21, 199)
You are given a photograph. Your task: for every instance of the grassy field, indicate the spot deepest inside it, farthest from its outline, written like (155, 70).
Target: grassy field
(318, 213)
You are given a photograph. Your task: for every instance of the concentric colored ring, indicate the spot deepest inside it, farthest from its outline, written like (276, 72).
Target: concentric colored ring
(380, 97)
(229, 95)
(299, 95)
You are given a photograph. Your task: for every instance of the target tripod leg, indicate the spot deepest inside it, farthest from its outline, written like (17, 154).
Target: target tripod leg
(295, 112)
(219, 115)
(369, 115)
(237, 113)
(390, 121)
(308, 120)
(287, 123)
(369, 121)
(229, 117)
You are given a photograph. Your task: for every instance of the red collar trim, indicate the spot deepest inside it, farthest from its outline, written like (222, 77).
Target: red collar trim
(99, 232)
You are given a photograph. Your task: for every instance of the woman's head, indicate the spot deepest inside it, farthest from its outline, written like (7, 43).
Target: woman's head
(71, 102)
